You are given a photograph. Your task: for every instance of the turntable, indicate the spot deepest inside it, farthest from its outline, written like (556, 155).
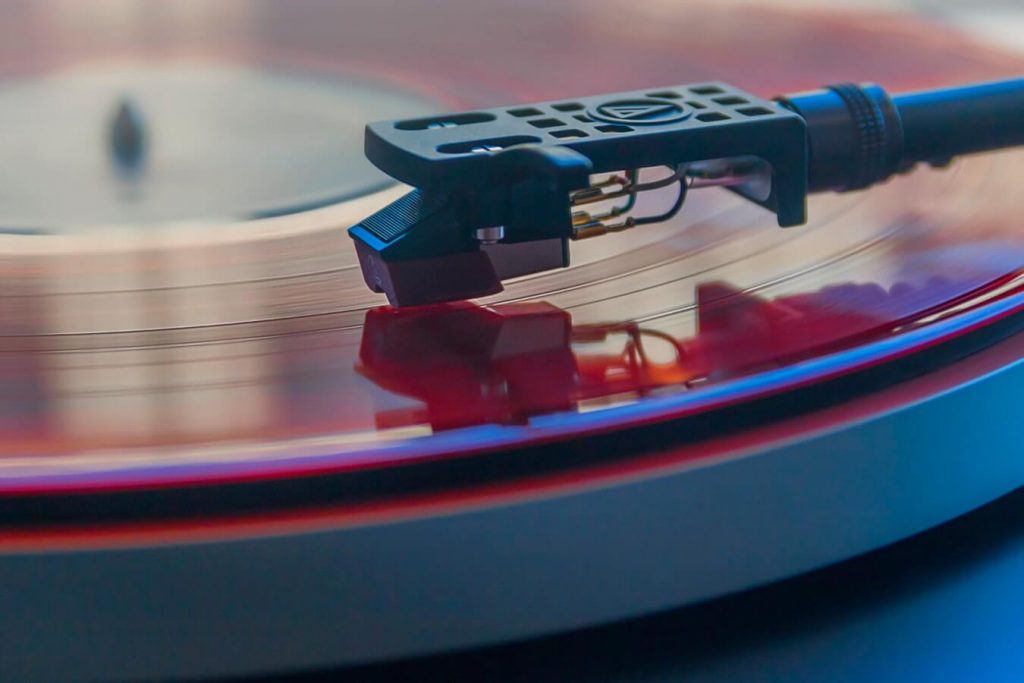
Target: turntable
(225, 456)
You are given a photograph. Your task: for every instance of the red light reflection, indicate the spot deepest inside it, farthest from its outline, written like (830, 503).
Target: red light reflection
(470, 364)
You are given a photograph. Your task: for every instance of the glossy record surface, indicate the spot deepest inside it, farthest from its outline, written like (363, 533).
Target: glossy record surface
(180, 353)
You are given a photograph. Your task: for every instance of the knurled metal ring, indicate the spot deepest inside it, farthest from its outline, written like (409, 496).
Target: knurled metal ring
(872, 140)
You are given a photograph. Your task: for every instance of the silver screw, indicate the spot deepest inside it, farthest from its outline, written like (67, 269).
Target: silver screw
(490, 235)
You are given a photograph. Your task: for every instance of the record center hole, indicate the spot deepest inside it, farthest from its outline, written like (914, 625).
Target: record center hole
(755, 111)
(545, 123)
(567, 106)
(711, 116)
(571, 133)
(613, 128)
(525, 111)
(707, 90)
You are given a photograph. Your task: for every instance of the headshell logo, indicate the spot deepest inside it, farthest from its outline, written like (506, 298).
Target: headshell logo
(640, 111)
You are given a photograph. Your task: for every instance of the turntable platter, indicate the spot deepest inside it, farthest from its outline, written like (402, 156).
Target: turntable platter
(219, 392)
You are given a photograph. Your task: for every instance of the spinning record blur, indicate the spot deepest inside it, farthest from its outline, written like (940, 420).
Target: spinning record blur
(168, 339)
(173, 378)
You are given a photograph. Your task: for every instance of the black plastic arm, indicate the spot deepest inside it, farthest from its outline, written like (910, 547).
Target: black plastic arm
(858, 135)
(939, 124)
